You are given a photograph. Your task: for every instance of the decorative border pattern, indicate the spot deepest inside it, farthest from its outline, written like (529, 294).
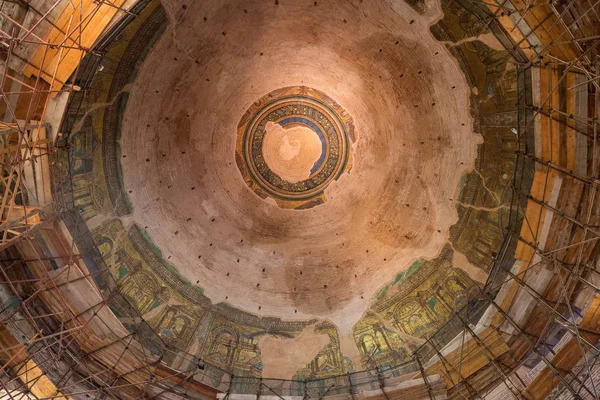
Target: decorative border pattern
(295, 105)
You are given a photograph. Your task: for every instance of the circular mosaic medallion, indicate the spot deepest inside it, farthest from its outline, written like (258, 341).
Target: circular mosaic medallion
(292, 143)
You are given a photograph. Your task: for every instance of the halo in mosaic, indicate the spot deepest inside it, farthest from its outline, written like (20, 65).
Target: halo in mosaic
(292, 107)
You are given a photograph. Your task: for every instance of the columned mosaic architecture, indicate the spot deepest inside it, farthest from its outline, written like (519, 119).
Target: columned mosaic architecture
(381, 199)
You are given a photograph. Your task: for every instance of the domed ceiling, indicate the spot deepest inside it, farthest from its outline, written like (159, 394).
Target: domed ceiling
(295, 188)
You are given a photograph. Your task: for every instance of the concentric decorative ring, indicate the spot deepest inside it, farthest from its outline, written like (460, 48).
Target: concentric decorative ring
(302, 118)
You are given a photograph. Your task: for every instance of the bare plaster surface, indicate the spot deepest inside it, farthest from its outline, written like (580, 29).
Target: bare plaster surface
(407, 97)
(282, 357)
(291, 152)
